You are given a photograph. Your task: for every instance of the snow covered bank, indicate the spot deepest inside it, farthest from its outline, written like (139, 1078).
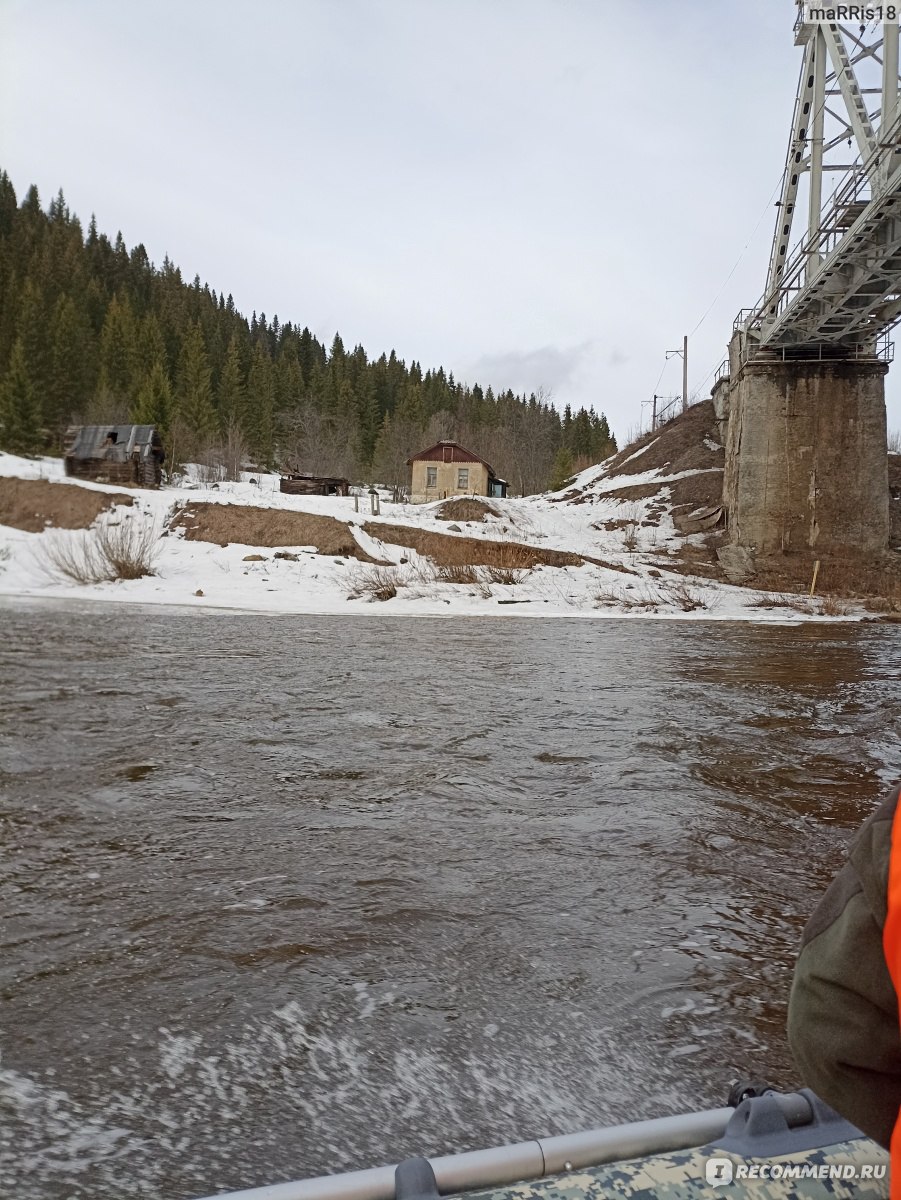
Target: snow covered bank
(589, 551)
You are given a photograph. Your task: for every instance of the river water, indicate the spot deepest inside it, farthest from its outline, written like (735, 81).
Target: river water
(292, 895)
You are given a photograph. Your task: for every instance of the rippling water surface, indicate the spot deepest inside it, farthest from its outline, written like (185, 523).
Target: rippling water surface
(284, 896)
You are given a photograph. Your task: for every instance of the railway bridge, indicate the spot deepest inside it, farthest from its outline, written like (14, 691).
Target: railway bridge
(806, 461)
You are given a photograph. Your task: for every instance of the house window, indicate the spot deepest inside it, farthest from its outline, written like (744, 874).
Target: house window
(431, 477)
(463, 477)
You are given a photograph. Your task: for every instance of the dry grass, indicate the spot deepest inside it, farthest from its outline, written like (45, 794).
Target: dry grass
(635, 491)
(507, 576)
(124, 549)
(675, 594)
(456, 573)
(825, 606)
(766, 600)
(875, 582)
(833, 606)
(447, 550)
(224, 523)
(678, 445)
(466, 508)
(645, 599)
(373, 583)
(682, 596)
(33, 504)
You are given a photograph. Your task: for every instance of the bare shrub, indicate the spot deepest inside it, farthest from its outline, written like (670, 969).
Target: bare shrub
(682, 596)
(645, 598)
(126, 548)
(130, 546)
(764, 600)
(634, 513)
(235, 452)
(894, 441)
(457, 573)
(883, 604)
(799, 604)
(505, 575)
(373, 583)
(832, 606)
(209, 468)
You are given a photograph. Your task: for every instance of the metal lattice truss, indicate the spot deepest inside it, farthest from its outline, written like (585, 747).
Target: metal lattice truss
(836, 282)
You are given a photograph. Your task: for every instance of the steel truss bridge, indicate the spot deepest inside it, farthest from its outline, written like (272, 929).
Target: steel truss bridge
(834, 283)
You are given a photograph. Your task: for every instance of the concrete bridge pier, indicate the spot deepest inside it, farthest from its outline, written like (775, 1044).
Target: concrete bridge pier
(806, 461)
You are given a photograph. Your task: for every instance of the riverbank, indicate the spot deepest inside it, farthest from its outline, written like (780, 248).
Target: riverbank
(629, 538)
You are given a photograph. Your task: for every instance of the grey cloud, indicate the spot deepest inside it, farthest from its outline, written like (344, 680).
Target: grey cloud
(546, 367)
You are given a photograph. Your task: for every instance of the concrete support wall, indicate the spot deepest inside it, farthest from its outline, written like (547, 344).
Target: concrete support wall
(806, 462)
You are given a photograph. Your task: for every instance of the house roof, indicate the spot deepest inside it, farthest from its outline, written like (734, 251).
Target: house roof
(109, 441)
(449, 452)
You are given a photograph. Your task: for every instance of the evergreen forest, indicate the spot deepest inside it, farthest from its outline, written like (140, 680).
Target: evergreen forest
(92, 332)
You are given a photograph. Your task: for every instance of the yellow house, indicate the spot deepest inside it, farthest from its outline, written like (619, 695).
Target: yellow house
(449, 469)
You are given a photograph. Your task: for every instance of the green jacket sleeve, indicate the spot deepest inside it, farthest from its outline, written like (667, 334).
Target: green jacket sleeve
(843, 1011)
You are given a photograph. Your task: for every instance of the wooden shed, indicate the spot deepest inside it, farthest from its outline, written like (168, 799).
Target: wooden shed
(122, 454)
(314, 485)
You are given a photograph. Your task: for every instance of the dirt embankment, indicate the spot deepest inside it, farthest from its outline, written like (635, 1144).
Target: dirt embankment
(686, 443)
(33, 504)
(466, 508)
(225, 523)
(448, 551)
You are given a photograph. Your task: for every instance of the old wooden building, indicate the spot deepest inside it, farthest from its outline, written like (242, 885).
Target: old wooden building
(313, 485)
(121, 454)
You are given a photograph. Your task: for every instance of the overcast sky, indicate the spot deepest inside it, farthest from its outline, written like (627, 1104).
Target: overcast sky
(531, 193)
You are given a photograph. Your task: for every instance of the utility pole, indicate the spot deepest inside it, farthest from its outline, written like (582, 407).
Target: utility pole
(683, 354)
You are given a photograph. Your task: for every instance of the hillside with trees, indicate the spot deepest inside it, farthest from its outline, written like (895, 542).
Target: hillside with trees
(92, 332)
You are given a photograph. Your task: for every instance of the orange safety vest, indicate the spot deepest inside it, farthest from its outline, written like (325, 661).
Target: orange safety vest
(891, 943)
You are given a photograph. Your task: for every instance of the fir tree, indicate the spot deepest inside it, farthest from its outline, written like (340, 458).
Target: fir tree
(69, 388)
(231, 395)
(118, 355)
(562, 469)
(154, 402)
(260, 406)
(19, 413)
(194, 392)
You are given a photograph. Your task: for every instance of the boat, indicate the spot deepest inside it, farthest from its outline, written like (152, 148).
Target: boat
(764, 1144)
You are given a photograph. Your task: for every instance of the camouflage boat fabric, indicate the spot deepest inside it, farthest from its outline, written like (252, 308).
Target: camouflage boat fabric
(683, 1175)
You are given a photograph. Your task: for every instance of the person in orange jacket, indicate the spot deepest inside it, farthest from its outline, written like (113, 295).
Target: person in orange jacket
(843, 1017)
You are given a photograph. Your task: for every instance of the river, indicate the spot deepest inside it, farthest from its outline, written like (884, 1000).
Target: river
(291, 895)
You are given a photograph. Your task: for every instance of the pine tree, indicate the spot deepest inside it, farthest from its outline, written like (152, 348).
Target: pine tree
(19, 411)
(194, 392)
(231, 395)
(260, 406)
(7, 205)
(562, 469)
(71, 344)
(154, 402)
(151, 347)
(118, 382)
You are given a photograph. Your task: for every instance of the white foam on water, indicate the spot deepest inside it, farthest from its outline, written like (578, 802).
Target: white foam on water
(299, 1093)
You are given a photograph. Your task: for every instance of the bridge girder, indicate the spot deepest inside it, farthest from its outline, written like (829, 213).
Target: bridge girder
(838, 281)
